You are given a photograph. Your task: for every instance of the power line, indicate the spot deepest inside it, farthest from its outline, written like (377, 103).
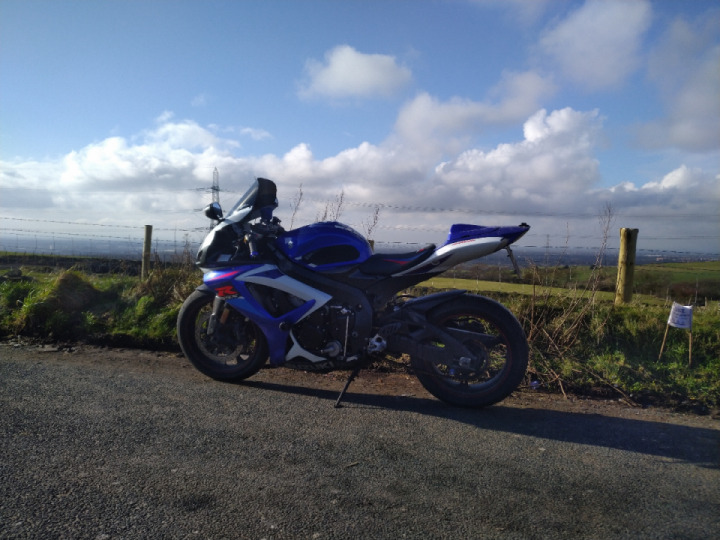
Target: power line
(438, 229)
(109, 225)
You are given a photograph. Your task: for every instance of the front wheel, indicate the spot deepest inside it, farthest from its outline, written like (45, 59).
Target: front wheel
(498, 346)
(234, 351)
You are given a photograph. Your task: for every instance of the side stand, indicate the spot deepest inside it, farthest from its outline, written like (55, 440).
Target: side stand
(516, 266)
(351, 378)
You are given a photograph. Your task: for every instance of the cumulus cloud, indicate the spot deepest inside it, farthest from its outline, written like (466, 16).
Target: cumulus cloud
(682, 203)
(426, 120)
(552, 165)
(550, 171)
(598, 45)
(346, 72)
(118, 177)
(28, 184)
(688, 88)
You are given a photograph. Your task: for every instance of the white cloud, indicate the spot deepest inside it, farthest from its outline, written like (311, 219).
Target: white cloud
(681, 203)
(168, 157)
(255, 133)
(165, 116)
(598, 45)
(552, 165)
(199, 101)
(186, 134)
(551, 171)
(426, 121)
(683, 178)
(346, 72)
(685, 65)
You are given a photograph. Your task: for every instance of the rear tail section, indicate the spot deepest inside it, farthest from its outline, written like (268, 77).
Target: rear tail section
(465, 243)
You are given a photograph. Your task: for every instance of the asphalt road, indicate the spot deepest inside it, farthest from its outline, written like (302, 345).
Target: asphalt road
(103, 444)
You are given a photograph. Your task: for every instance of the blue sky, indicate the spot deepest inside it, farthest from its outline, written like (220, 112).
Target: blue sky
(488, 111)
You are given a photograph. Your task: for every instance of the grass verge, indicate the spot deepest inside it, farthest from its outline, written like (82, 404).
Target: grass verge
(580, 341)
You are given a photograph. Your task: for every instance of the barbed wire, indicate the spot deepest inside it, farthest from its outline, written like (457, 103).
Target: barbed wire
(109, 225)
(439, 229)
(44, 234)
(136, 244)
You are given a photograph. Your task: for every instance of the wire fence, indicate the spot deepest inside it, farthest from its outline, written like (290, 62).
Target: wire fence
(108, 240)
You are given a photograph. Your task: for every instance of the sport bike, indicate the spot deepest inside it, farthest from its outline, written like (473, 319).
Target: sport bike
(317, 298)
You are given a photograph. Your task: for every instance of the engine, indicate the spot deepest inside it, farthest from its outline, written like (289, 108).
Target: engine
(326, 331)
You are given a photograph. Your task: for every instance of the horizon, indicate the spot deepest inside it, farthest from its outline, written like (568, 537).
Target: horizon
(165, 250)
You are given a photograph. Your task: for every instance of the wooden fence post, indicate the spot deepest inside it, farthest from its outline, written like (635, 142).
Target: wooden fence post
(626, 266)
(147, 244)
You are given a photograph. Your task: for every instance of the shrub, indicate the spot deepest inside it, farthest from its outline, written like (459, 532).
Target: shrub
(56, 308)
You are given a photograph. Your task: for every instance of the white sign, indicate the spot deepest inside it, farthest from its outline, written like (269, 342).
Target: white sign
(680, 316)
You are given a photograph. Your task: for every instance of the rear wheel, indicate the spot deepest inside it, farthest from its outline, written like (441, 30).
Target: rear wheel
(498, 347)
(235, 351)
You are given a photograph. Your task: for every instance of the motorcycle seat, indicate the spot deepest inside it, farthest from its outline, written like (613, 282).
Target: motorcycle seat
(385, 264)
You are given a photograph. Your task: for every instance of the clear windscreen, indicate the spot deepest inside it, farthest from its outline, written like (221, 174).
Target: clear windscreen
(246, 201)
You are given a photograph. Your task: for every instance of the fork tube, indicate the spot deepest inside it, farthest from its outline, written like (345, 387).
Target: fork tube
(218, 306)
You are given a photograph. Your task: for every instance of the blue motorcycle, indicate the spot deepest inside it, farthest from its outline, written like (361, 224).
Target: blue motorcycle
(317, 298)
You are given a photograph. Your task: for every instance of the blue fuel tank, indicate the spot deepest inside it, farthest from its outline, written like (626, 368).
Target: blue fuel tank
(327, 246)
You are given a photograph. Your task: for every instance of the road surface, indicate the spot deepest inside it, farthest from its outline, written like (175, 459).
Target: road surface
(102, 444)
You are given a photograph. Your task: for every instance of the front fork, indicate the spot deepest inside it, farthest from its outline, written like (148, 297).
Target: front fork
(220, 313)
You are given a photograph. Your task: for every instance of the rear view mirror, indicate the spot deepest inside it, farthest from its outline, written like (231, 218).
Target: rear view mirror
(214, 211)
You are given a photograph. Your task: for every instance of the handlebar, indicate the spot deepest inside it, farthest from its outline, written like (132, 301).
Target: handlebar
(250, 239)
(260, 231)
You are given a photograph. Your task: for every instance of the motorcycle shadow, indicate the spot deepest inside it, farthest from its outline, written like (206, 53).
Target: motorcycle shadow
(697, 445)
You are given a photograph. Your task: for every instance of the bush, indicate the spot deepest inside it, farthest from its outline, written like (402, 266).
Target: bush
(112, 309)
(55, 309)
(613, 350)
(12, 295)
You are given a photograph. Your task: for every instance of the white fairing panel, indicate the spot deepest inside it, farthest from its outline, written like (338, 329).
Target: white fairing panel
(286, 284)
(296, 288)
(453, 254)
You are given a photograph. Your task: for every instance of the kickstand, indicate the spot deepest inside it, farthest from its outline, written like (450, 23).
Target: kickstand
(351, 378)
(516, 267)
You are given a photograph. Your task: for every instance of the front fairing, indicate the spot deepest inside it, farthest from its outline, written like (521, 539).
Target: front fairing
(238, 286)
(221, 245)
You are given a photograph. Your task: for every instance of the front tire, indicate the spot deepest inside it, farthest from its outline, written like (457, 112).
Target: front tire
(495, 338)
(236, 350)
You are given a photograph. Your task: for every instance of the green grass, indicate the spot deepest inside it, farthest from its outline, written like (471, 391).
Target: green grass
(108, 309)
(580, 341)
(679, 272)
(486, 287)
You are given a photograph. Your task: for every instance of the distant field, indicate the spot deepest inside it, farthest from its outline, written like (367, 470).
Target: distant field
(669, 273)
(680, 272)
(654, 283)
(481, 287)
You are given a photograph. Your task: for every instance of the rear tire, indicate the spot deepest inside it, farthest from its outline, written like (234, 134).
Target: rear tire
(494, 336)
(236, 351)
